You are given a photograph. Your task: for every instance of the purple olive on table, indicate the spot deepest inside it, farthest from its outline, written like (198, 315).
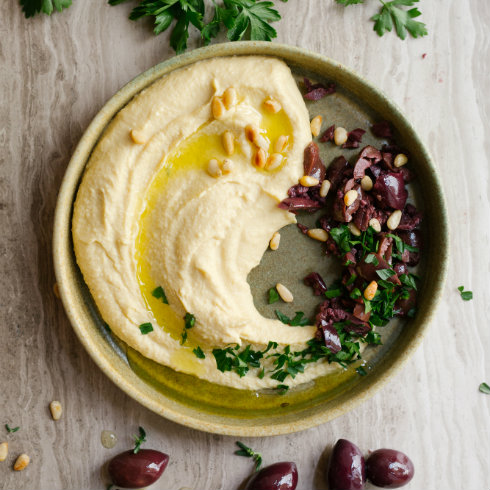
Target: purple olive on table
(137, 470)
(277, 476)
(388, 468)
(346, 469)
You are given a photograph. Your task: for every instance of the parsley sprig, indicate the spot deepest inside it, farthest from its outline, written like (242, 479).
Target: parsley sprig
(241, 18)
(33, 7)
(139, 439)
(249, 453)
(11, 430)
(392, 14)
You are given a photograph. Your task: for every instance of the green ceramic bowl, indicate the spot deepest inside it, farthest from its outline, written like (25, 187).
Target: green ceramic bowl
(189, 401)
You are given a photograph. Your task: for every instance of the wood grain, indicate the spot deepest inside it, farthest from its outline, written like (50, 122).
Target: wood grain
(55, 75)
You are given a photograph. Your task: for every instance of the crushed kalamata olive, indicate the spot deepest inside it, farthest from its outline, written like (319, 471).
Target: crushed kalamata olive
(317, 91)
(366, 210)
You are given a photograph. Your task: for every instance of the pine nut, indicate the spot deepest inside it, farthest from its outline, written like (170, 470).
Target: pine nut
(56, 409)
(281, 143)
(4, 450)
(318, 234)
(354, 229)
(228, 141)
(274, 161)
(227, 166)
(375, 224)
(340, 136)
(272, 105)
(325, 188)
(350, 197)
(274, 242)
(213, 168)
(284, 293)
(366, 183)
(21, 462)
(370, 291)
(253, 134)
(261, 142)
(400, 160)
(217, 107)
(316, 125)
(394, 220)
(308, 181)
(260, 158)
(138, 136)
(229, 97)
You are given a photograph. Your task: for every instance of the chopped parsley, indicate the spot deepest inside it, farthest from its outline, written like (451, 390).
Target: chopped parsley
(159, 293)
(299, 319)
(371, 259)
(408, 280)
(361, 371)
(249, 453)
(333, 293)
(273, 296)
(189, 322)
(385, 274)
(232, 359)
(484, 388)
(465, 295)
(11, 430)
(138, 440)
(199, 353)
(146, 328)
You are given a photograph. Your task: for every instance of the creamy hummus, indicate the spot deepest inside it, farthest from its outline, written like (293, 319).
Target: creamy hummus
(152, 212)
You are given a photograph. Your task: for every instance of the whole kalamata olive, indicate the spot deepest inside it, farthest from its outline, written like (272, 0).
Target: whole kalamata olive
(346, 469)
(388, 468)
(130, 470)
(277, 476)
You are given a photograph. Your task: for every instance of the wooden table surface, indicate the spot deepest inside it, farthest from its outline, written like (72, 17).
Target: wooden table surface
(56, 73)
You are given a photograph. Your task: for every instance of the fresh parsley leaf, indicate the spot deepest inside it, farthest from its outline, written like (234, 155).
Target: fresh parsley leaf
(299, 319)
(146, 328)
(11, 430)
(333, 293)
(138, 440)
(190, 320)
(159, 293)
(465, 295)
(199, 353)
(273, 295)
(484, 388)
(252, 16)
(371, 259)
(33, 7)
(249, 453)
(391, 14)
(231, 359)
(385, 273)
(164, 12)
(282, 389)
(360, 370)
(408, 280)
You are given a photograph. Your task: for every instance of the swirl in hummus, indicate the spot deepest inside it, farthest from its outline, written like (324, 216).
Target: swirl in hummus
(152, 212)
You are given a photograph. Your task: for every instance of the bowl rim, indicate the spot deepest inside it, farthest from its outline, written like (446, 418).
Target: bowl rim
(62, 237)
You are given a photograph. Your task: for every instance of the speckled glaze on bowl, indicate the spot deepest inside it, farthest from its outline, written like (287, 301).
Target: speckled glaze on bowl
(268, 414)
